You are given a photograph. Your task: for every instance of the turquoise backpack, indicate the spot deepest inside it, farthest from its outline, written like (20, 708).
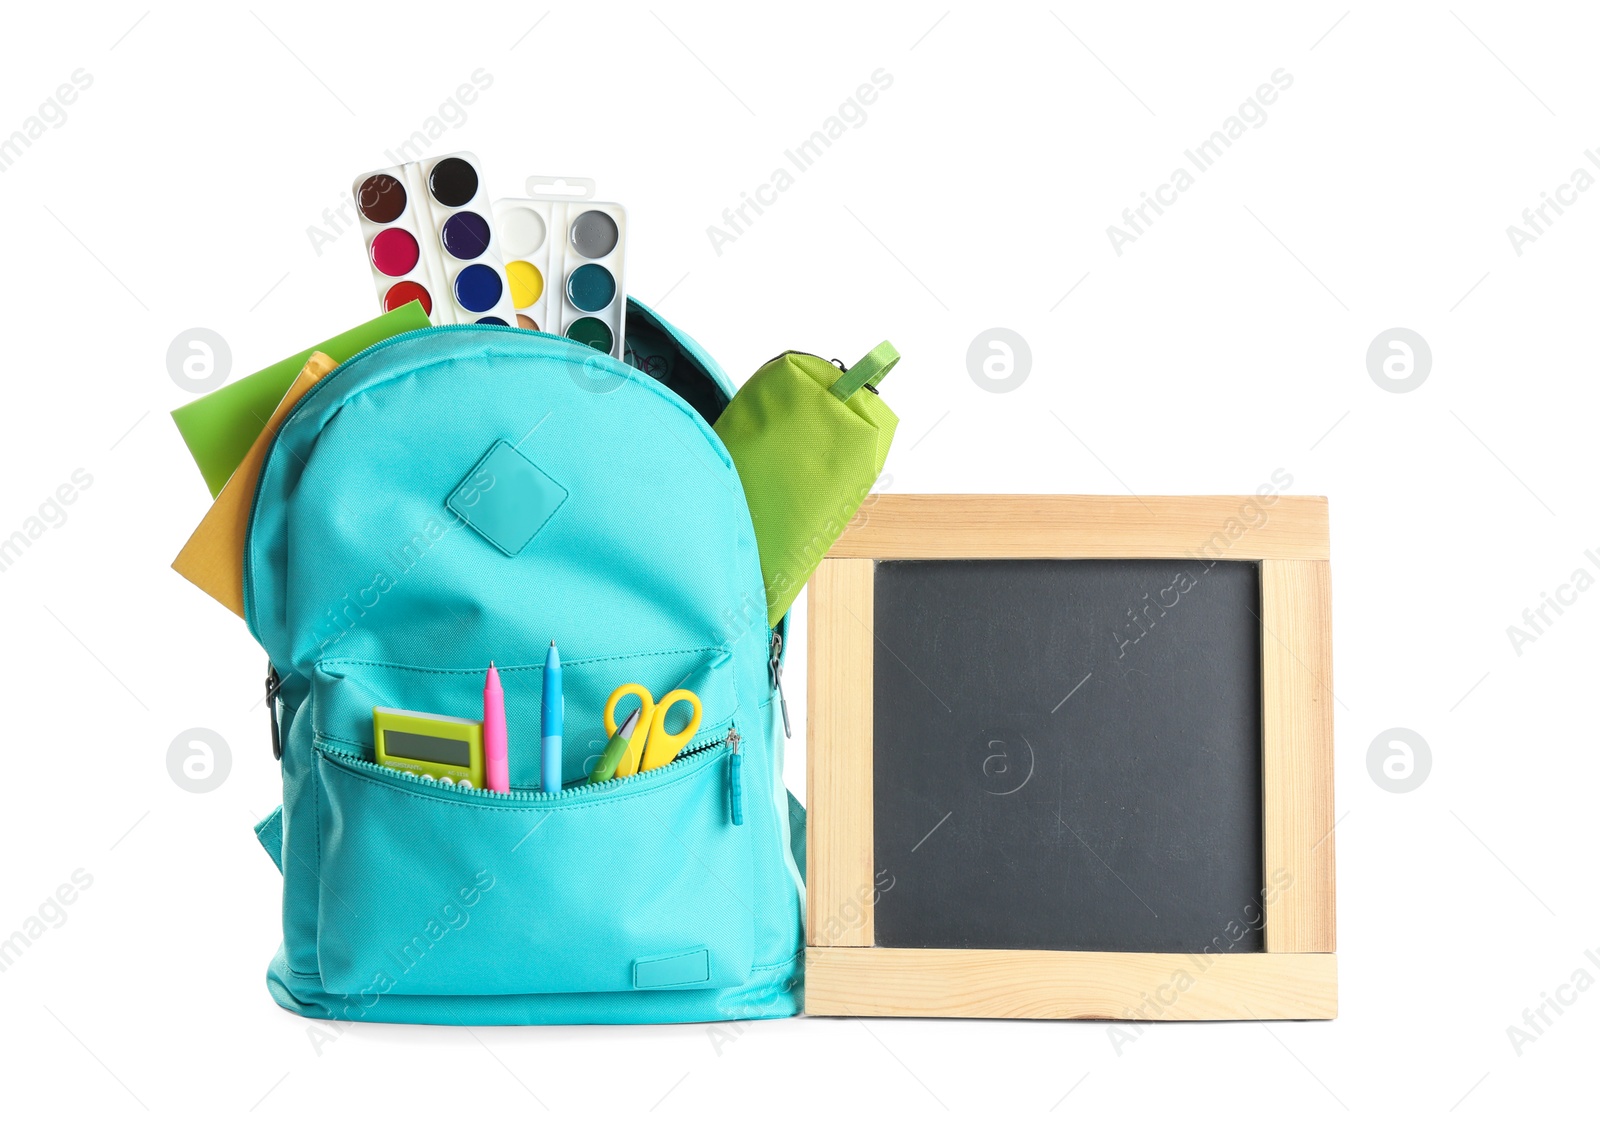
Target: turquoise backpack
(458, 495)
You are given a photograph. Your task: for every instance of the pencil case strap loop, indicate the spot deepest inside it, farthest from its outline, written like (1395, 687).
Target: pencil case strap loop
(868, 372)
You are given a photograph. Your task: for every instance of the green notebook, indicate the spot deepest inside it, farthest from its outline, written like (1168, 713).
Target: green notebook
(220, 427)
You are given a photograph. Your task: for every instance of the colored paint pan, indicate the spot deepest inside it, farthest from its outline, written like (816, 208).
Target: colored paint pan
(466, 235)
(591, 332)
(453, 181)
(594, 234)
(591, 287)
(404, 293)
(522, 230)
(395, 252)
(479, 288)
(381, 198)
(527, 283)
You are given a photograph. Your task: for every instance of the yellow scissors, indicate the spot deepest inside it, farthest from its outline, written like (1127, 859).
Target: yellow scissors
(651, 745)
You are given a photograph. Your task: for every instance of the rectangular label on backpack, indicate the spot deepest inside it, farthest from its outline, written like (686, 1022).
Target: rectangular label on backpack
(684, 969)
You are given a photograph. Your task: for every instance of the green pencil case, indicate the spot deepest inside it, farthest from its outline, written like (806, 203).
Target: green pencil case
(809, 438)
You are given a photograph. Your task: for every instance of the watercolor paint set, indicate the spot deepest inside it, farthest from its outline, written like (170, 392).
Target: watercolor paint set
(563, 260)
(430, 237)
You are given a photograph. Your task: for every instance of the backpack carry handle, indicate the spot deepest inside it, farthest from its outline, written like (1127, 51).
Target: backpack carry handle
(868, 372)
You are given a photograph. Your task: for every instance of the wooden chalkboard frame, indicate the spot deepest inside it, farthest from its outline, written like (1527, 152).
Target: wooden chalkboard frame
(1295, 977)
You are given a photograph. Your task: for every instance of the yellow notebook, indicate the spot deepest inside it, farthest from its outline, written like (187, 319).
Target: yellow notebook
(213, 558)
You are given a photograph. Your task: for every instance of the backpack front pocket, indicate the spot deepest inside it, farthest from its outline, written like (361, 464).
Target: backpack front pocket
(637, 883)
(632, 884)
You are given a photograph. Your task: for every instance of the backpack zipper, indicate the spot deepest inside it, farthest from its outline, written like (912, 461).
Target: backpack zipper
(274, 686)
(775, 669)
(582, 790)
(735, 779)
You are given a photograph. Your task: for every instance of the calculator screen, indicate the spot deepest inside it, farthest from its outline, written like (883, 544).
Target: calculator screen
(419, 746)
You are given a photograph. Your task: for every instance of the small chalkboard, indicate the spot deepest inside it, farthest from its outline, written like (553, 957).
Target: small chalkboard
(1082, 738)
(1071, 757)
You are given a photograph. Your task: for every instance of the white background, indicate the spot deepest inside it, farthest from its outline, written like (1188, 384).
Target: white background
(1227, 342)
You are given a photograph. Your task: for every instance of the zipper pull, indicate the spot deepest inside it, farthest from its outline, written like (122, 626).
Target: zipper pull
(735, 779)
(274, 685)
(775, 667)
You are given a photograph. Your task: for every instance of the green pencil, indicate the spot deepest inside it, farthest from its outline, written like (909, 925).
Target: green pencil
(612, 756)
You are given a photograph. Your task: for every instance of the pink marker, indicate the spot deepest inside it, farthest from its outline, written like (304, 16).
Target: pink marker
(496, 774)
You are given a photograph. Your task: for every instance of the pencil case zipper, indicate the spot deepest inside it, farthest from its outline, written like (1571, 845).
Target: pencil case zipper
(808, 355)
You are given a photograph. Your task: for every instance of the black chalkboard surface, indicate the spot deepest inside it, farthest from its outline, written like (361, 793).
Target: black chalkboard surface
(1068, 755)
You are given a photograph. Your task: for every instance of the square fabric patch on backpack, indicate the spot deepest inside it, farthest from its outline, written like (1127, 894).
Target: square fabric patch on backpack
(506, 498)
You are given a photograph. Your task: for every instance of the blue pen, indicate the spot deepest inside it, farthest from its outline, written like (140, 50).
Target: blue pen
(550, 713)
